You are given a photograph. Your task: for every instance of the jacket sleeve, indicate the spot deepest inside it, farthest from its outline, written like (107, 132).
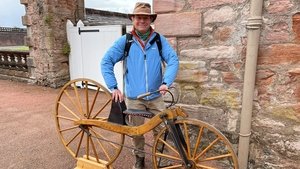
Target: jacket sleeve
(170, 57)
(110, 58)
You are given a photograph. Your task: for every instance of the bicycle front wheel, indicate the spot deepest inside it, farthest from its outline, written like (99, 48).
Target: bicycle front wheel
(205, 147)
(86, 99)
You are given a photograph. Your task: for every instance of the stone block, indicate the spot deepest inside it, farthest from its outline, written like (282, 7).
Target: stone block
(24, 2)
(264, 74)
(223, 14)
(191, 65)
(201, 4)
(279, 6)
(214, 116)
(219, 97)
(25, 20)
(173, 43)
(164, 6)
(277, 37)
(196, 76)
(179, 24)
(189, 43)
(27, 41)
(223, 33)
(294, 72)
(279, 54)
(214, 52)
(231, 77)
(296, 26)
(288, 112)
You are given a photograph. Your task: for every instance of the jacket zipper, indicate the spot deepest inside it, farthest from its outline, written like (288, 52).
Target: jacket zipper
(146, 72)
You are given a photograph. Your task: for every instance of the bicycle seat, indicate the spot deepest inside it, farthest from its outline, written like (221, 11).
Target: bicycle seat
(135, 112)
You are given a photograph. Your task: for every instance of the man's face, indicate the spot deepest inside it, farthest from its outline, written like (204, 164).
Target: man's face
(141, 22)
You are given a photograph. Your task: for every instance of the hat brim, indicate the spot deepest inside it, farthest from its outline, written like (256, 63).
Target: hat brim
(152, 15)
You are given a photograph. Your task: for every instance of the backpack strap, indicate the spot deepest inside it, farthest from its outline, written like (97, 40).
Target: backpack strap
(158, 43)
(159, 46)
(127, 45)
(126, 52)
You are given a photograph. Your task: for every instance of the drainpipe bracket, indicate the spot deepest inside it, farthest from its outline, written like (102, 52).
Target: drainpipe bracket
(254, 23)
(245, 135)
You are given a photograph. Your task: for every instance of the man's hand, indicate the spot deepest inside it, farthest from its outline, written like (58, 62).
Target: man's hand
(163, 89)
(117, 95)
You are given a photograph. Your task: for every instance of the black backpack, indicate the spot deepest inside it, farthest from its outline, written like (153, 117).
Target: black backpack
(129, 42)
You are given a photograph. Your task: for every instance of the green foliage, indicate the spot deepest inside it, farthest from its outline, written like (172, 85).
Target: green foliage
(66, 49)
(48, 19)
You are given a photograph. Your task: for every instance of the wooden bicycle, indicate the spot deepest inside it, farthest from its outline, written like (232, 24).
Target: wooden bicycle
(81, 117)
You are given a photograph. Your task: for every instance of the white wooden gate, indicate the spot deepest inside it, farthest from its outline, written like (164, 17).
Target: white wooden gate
(88, 45)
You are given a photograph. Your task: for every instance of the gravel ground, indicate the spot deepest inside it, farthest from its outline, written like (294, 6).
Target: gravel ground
(29, 139)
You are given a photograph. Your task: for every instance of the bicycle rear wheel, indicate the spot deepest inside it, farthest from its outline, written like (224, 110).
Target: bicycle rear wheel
(86, 99)
(205, 146)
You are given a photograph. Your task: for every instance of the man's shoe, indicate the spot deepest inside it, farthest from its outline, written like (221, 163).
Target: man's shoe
(139, 163)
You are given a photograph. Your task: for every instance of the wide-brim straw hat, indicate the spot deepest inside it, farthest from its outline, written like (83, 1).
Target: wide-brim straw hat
(142, 8)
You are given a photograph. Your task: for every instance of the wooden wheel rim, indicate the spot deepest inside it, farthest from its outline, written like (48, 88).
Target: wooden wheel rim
(94, 148)
(201, 163)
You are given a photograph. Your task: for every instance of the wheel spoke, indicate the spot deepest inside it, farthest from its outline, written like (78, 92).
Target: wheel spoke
(168, 156)
(203, 166)
(108, 101)
(69, 128)
(198, 141)
(169, 146)
(87, 98)
(87, 146)
(102, 137)
(173, 166)
(94, 149)
(102, 147)
(66, 118)
(94, 101)
(73, 138)
(70, 111)
(217, 157)
(187, 139)
(207, 148)
(78, 98)
(78, 147)
(72, 101)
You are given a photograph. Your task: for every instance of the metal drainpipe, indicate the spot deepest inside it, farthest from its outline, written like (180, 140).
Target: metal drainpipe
(253, 27)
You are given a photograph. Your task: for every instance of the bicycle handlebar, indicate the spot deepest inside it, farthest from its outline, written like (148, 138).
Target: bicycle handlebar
(146, 94)
(172, 102)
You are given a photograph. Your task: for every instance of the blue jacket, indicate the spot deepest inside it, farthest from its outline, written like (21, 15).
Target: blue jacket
(144, 70)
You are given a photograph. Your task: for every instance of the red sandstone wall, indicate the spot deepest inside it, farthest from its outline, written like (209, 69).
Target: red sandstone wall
(210, 37)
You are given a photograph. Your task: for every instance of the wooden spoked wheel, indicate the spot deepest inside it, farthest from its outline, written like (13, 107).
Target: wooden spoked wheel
(205, 147)
(86, 99)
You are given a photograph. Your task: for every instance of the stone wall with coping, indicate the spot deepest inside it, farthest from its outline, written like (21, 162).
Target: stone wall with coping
(12, 36)
(210, 38)
(47, 39)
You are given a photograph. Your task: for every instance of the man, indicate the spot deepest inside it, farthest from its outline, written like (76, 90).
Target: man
(143, 71)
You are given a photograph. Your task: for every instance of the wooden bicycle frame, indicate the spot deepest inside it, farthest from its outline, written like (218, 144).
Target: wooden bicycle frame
(134, 130)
